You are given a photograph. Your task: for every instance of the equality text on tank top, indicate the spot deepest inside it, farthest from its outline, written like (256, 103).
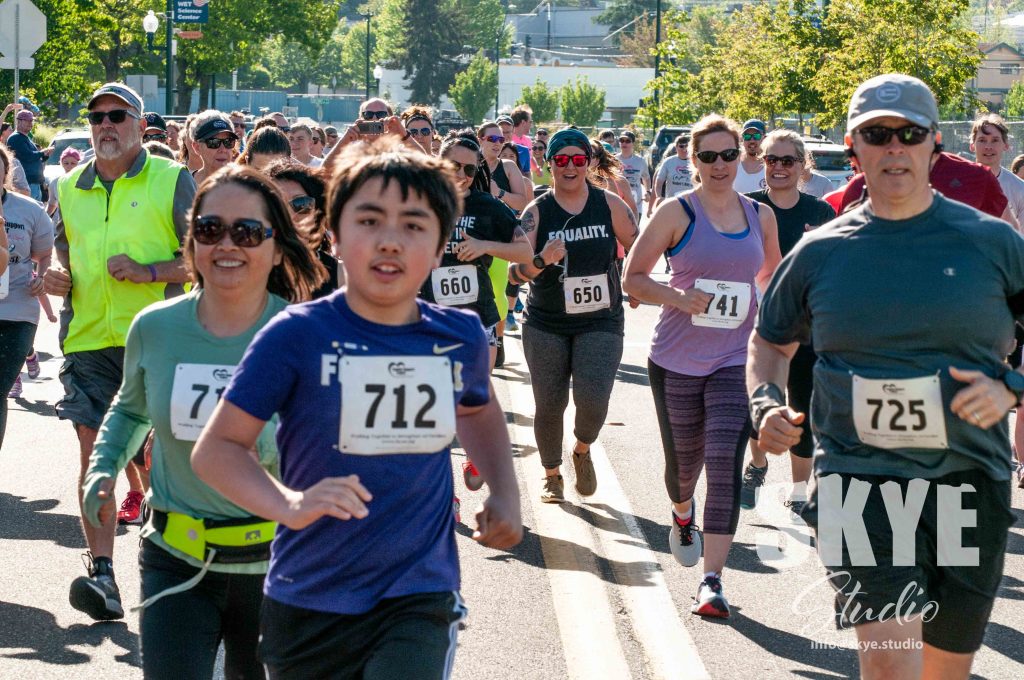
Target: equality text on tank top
(583, 291)
(724, 266)
(468, 284)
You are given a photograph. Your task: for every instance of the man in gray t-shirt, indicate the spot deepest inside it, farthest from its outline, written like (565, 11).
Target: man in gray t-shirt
(989, 141)
(634, 167)
(910, 300)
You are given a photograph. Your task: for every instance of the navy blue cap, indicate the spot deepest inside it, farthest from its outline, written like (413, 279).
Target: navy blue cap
(212, 128)
(755, 124)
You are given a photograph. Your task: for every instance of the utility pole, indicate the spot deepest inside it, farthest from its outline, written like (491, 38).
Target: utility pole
(169, 103)
(367, 17)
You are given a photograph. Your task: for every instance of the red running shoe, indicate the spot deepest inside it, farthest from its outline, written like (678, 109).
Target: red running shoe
(131, 509)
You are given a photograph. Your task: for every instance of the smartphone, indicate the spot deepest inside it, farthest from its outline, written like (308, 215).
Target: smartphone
(370, 127)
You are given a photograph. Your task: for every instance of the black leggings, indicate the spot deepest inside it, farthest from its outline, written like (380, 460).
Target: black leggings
(591, 361)
(181, 633)
(15, 340)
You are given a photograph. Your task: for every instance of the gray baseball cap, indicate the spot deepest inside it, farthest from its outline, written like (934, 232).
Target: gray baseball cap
(893, 94)
(120, 91)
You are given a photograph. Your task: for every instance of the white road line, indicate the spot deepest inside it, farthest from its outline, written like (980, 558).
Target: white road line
(586, 622)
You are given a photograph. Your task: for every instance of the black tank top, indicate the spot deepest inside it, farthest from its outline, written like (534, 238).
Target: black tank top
(591, 249)
(500, 178)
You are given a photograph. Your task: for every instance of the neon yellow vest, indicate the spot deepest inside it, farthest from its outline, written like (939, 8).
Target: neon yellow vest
(136, 219)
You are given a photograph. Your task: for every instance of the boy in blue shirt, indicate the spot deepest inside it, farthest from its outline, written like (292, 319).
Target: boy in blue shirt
(371, 385)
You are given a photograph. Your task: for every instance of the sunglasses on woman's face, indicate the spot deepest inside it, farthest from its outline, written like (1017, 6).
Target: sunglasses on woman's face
(419, 132)
(540, 147)
(468, 168)
(784, 161)
(495, 139)
(245, 233)
(379, 115)
(729, 155)
(218, 142)
(301, 205)
(579, 160)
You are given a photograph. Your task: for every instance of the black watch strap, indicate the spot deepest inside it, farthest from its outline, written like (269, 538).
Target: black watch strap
(539, 262)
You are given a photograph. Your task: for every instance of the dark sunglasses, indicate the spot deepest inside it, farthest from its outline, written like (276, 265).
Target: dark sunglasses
(239, 125)
(681, 145)
(218, 142)
(285, 129)
(301, 205)
(494, 139)
(625, 140)
(379, 115)
(578, 159)
(332, 136)
(729, 155)
(747, 136)
(116, 116)
(210, 229)
(468, 168)
(540, 147)
(879, 135)
(419, 132)
(154, 138)
(785, 161)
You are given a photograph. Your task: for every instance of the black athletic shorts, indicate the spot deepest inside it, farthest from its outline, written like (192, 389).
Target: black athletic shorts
(962, 595)
(400, 639)
(91, 380)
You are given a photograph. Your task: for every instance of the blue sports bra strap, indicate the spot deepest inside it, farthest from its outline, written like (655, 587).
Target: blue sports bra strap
(686, 207)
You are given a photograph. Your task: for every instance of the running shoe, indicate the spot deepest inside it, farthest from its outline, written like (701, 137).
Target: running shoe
(499, 361)
(1018, 471)
(32, 364)
(753, 478)
(796, 507)
(586, 477)
(15, 392)
(686, 540)
(519, 306)
(510, 323)
(710, 600)
(131, 508)
(554, 489)
(97, 594)
(471, 476)
(457, 508)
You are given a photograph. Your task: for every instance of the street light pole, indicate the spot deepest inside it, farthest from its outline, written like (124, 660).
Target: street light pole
(657, 61)
(169, 105)
(367, 17)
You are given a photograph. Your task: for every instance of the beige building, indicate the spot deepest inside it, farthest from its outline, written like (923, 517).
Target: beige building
(1000, 68)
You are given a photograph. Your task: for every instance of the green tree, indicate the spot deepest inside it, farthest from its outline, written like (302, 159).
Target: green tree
(541, 99)
(621, 12)
(474, 89)
(639, 44)
(582, 103)
(353, 57)
(1013, 105)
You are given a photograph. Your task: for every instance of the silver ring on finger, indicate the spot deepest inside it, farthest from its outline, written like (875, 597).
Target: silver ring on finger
(975, 416)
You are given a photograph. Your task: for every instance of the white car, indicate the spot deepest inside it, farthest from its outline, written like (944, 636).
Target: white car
(830, 159)
(79, 139)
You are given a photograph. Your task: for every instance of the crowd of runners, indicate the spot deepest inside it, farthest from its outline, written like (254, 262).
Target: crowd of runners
(279, 336)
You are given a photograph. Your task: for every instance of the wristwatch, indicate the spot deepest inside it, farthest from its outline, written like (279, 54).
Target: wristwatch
(1014, 382)
(539, 263)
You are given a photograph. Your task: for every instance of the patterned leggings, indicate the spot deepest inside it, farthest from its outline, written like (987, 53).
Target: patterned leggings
(704, 422)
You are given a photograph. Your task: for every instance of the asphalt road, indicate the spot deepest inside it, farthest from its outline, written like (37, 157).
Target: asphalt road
(592, 591)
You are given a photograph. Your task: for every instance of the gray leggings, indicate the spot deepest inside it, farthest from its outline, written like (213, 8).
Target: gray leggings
(591, 360)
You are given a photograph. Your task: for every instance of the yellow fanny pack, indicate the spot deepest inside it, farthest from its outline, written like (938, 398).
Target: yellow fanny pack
(236, 541)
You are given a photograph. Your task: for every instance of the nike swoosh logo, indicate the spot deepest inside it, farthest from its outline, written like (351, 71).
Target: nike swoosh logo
(449, 348)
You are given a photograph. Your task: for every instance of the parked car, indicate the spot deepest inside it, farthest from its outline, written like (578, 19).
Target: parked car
(662, 140)
(79, 139)
(830, 159)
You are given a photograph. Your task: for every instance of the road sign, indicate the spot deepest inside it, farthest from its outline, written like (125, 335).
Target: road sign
(22, 28)
(190, 35)
(191, 11)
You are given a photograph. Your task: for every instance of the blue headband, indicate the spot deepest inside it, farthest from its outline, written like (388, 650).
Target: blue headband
(564, 138)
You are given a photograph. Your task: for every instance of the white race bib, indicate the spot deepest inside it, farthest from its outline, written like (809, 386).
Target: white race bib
(729, 306)
(586, 294)
(455, 285)
(197, 389)
(897, 414)
(396, 405)
(5, 282)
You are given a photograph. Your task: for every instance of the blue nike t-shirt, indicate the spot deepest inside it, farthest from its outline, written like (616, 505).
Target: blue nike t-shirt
(356, 397)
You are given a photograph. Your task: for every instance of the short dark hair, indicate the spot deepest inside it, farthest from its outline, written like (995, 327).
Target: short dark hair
(266, 140)
(300, 272)
(467, 139)
(521, 113)
(159, 149)
(1017, 163)
(429, 176)
(990, 120)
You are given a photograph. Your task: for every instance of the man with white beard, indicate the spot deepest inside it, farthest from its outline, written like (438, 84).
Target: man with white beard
(122, 201)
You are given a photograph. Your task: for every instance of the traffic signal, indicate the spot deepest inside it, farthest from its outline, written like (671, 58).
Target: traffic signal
(512, 49)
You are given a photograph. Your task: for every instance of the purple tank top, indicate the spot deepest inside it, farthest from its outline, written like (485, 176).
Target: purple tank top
(724, 265)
